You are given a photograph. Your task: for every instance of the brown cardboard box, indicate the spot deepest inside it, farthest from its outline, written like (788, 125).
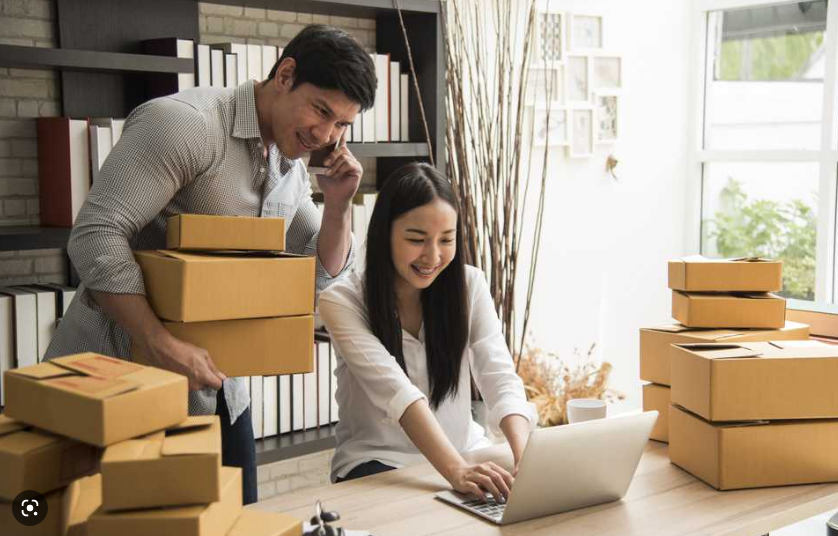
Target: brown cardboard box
(59, 504)
(752, 455)
(756, 380)
(195, 287)
(214, 519)
(40, 461)
(258, 523)
(177, 467)
(656, 397)
(720, 310)
(89, 499)
(204, 232)
(250, 347)
(96, 399)
(655, 343)
(700, 274)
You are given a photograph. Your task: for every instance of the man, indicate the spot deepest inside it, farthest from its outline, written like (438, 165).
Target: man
(226, 152)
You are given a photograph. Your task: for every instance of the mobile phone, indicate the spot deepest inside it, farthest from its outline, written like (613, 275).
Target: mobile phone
(318, 157)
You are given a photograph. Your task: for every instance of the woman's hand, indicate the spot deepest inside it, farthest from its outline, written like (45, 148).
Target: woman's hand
(480, 478)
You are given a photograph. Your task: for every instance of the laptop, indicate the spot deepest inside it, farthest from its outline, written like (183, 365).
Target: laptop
(568, 467)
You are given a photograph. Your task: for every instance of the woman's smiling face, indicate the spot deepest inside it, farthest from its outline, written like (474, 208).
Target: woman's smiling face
(424, 242)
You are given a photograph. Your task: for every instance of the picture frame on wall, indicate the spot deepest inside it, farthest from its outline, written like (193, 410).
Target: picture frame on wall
(581, 132)
(550, 126)
(578, 79)
(607, 72)
(550, 39)
(545, 85)
(606, 117)
(585, 32)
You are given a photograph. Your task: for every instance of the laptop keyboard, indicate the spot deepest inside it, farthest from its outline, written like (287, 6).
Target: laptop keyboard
(489, 507)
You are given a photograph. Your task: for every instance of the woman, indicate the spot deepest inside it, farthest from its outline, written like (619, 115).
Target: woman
(410, 332)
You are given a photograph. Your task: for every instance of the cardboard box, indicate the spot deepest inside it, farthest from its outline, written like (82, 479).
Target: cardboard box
(177, 467)
(753, 455)
(32, 459)
(655, 343)
(700, 274)
(214, 519)
(252, 347)
(59, 505)
(88, 500)
(721, 310)
(756, 380)
(196, 287)
(656, 397)
(258, 523)
(96, 399)
(205, 232)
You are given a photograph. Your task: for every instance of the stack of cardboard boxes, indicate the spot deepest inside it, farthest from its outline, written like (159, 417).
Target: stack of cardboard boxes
(225, 285)
(161, 471)
(714, 301)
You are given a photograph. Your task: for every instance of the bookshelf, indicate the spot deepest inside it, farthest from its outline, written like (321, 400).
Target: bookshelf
(103, 73)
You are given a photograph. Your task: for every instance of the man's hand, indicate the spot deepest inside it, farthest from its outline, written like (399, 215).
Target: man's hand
(171, 353)
(342, 179)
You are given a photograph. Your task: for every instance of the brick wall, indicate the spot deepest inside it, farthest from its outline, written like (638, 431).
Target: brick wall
(294, 474)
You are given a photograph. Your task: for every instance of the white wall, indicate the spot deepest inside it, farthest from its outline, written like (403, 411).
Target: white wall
(602, 268)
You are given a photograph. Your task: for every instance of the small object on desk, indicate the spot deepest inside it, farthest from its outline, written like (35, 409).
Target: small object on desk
(319, 524)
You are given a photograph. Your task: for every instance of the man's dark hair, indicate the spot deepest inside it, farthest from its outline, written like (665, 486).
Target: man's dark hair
(330, 58)
(445, 307)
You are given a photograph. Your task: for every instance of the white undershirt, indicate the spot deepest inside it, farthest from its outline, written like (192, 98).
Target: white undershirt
(373, 392)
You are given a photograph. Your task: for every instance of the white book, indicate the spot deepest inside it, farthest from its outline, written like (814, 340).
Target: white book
(185, 49)
(395, 91)
(323, 372)
(26, 326)
(254, 62)
(63, 297)
(269, 56)
(203, 65)
(115, 125)
(382, 93)
(257, 406)
(333, 385)
(101, 143)
(45, 315)
(79, 164)
(311, 399)
(357, 128)
(231, 68)
(284, 404)
(7, 341)
(297, 402)
(216, 67)
(271, 397)
(246, 385)
(240, 50)
(404, 106)
(368, 132)
(359, 229)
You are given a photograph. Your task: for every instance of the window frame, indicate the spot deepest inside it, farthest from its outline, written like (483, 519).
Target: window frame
(826, 156)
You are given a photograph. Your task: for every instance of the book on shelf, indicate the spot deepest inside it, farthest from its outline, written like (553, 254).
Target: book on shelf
(394, 91)
(25, 313)
(269, 57)
(323, 385)
(382, 96)
(240, 51)
(257, 405)
(203, 64)
(284, 404)
(115, 126)
(64, 296)
(297, 400)
(404, 104)
(45, 316)
(216, 67)
(101, 142)
(231, 70)
(7, 341)
(270, 393)
(63, 169)
(310, 399)
(160, 84)
(254, 62)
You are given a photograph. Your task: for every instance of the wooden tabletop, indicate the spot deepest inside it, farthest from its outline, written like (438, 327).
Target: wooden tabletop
(662, 500)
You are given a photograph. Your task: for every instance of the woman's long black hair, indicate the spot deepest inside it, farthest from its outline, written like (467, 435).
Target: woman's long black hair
(445, 308)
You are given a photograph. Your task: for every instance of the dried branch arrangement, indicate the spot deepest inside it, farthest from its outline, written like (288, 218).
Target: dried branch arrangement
(488, 48)
(550, 383)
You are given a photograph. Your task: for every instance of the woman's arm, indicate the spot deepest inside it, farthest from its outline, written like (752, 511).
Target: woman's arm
(422, 428)
(516, 428)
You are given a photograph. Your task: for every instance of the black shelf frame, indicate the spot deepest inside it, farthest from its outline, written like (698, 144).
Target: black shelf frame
(294, 444)
(26, 57)
(341, 8)
(26, 237)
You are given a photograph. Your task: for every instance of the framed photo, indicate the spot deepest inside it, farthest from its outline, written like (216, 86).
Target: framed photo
(577, 79)
(549, 39)
(581, 132)
(545, 86)
(607, 72)
(555, 132)
(585, 32)
(606, 117)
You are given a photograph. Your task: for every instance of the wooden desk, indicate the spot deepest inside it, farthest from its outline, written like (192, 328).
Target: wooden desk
(662, 500)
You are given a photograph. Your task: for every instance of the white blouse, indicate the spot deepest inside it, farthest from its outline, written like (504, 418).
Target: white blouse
(373, 392)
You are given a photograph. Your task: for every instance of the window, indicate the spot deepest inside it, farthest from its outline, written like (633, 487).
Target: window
(764, 144)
